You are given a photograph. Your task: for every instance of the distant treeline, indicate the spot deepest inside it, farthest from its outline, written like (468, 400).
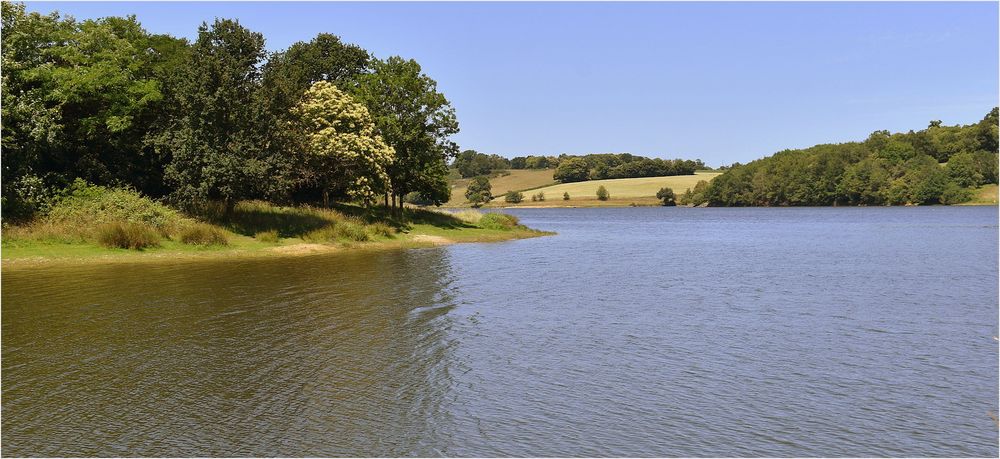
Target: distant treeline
(938, 164)
(576, 168)
(216, 119)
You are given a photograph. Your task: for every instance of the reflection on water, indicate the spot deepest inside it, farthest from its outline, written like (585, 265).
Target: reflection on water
(633, 332)
(324, 355)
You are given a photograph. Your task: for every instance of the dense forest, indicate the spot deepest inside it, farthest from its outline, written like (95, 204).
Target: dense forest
(936, 165)
(217, 119)
(577, 168)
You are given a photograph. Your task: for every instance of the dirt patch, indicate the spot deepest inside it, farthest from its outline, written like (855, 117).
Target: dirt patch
(303, 249)
(436, 240)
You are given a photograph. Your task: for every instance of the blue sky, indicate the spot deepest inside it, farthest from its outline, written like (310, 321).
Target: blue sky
(719, 81)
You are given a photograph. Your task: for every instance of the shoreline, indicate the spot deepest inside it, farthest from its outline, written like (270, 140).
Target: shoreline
(294, 249)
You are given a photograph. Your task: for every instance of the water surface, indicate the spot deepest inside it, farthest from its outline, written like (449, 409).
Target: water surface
(633, 332)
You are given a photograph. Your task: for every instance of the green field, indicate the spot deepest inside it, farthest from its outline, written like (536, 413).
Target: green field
(641, 191)
(984, 195)
(516, 179)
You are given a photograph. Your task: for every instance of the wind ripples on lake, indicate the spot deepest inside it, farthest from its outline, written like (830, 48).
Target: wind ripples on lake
(633, 332)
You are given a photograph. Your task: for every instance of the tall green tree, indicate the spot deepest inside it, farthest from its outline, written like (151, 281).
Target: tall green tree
(215, 143)
(416, 121)
(78, 98)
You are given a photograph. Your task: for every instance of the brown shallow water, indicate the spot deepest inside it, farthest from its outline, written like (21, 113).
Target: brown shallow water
(641, 332)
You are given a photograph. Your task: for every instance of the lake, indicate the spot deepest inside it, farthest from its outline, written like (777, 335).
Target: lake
(633, 332)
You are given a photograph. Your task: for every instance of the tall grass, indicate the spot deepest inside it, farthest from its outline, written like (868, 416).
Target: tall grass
(203, 234)
(127, 235)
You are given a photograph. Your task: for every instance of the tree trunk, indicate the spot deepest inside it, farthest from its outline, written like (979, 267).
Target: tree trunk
(326, 199)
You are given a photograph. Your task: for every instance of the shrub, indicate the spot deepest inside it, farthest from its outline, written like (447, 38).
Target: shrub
(469, 216)
(203, 234)
(127, 235)
(602, 193)
(566, 196)
(954, 194)
(84, 204)
(541, 196)
(267, 236)
(666, 195)
(497, 221)
(414, 197)
(534, 198)
(514, 197)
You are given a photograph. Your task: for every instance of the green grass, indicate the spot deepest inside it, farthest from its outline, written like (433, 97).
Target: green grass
(984, 195)
(641, 191)
(252, 228)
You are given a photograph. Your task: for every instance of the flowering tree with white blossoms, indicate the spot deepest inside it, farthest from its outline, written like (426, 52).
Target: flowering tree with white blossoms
(339, 139)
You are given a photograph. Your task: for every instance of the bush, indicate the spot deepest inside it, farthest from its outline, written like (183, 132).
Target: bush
(203, 234)
(514, 197)
(566, 196)
(602, 193)
(541, 196)
(414, 197)
(666, 195)
(85, 204)
(267, 236)
(954, 194)
(498, 221)
(127, 235)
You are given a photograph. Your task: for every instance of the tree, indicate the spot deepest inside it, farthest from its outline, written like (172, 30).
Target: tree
(572, 170)
(666, 195)
(566, 196)
(78, 98)
(962, 168)
(514, 197)
(479, 191)
(602, 193)
(215, 144)
(416, 121)
(284, 79)
(343, 150)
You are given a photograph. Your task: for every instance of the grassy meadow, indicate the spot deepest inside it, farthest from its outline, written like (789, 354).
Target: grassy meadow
(502, 182)
(640, 191)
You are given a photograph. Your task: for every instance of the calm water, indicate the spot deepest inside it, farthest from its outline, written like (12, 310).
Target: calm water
(636, 332)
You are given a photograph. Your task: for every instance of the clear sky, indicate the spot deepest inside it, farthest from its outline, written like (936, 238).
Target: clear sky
(722, 82)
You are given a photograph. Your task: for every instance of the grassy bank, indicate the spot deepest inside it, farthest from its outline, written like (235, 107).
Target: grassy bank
(102, 225)
(985, 195)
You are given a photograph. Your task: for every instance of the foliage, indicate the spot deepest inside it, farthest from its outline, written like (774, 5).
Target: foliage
(602, 193)
(479, 191)
(572, 170)
(566, 196)
(886, 168)
(613, 166)
(514, 197)
(416, 121)
(85, 204)
(341, 143)
(471, 163)
(497, 221)
(417, 198)
(127, 235)
(666, 195)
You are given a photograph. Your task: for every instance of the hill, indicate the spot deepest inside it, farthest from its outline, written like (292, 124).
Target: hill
(502, 182)
(641, 191)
